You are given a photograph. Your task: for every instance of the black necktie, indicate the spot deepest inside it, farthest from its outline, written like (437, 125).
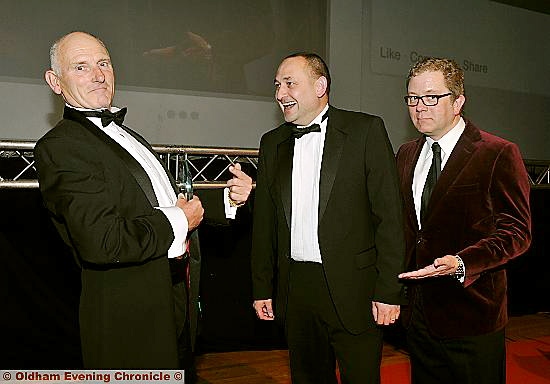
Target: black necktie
(107, 116)
(299, 132)
(433, 175)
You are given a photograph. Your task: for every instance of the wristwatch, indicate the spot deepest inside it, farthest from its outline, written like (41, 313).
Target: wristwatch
(460, 273)
(232, 202)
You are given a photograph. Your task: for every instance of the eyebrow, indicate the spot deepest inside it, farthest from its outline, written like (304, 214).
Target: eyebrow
(430, 91)
(283, 79)
(80, 62)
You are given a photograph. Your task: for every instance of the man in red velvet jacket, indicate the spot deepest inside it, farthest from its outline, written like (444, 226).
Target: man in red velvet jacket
(466, 200)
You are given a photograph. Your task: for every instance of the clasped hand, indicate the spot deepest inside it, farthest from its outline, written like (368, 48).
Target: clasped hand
(192, 209)
(385, 314)
(264, 309)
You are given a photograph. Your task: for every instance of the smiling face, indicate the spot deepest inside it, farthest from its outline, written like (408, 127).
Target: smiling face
(434, 121)
(85, 76)
(300, 95)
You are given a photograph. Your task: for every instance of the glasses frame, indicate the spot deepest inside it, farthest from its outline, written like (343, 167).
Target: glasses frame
(418, 98)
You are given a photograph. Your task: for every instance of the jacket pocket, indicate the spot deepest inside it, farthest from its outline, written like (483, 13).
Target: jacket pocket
(465, 189)
(366, 258)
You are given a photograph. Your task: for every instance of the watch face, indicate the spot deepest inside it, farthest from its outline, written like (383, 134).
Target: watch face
(460, 268)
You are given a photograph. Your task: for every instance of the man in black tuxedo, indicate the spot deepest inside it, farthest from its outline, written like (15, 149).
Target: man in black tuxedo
(115, 205)
(327, 234)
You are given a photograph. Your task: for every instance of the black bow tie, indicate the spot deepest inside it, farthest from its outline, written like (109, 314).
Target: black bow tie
(299, 132)
(107, 116)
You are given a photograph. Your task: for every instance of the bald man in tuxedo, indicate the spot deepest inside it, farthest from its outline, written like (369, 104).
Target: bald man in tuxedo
(116, 206)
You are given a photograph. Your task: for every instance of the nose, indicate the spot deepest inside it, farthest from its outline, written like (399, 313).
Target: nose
(280, 92)
(98, 75)
(421, 106)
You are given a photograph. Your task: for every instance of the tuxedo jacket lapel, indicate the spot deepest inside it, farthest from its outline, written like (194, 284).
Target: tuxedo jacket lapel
(133, 166)
(148, 146)
(409, 177)
(334, 143)
(458, 160)
(285, 153)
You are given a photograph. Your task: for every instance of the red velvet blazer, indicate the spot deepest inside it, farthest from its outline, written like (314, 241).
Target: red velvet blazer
(478, 210)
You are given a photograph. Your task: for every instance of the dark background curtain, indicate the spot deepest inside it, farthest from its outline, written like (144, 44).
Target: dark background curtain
(40, 286)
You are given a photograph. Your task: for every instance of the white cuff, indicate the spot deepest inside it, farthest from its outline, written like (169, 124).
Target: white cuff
(230, 210)
(180, 226)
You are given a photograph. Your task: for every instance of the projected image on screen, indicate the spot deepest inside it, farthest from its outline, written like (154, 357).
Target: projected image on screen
(191, 45)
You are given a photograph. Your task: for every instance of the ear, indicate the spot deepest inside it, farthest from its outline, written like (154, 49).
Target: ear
(321, 86)
(458, 104)
(53, 81)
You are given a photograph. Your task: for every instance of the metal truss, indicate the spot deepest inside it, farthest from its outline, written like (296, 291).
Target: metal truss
(208, 167)
(539, 172)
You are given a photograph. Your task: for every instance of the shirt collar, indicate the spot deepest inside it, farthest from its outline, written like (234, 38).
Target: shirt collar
(112, 109)
(96, 120)
(449, 140)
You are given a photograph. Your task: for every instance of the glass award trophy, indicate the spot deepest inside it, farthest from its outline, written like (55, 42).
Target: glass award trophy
(184, 179)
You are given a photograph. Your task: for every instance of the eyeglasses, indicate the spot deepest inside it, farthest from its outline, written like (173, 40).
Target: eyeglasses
(428, 100)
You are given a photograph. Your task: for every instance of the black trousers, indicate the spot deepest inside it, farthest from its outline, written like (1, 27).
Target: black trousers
(464, 360)
(317, 339)
(178, 268)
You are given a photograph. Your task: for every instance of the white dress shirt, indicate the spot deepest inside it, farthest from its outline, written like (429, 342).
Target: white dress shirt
(166, 197)
(306, 169)
(447, 143)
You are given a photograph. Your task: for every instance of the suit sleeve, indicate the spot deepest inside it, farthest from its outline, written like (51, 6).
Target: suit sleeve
(106, 221)
(387, 208)
(263, 253)
(511, 217)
